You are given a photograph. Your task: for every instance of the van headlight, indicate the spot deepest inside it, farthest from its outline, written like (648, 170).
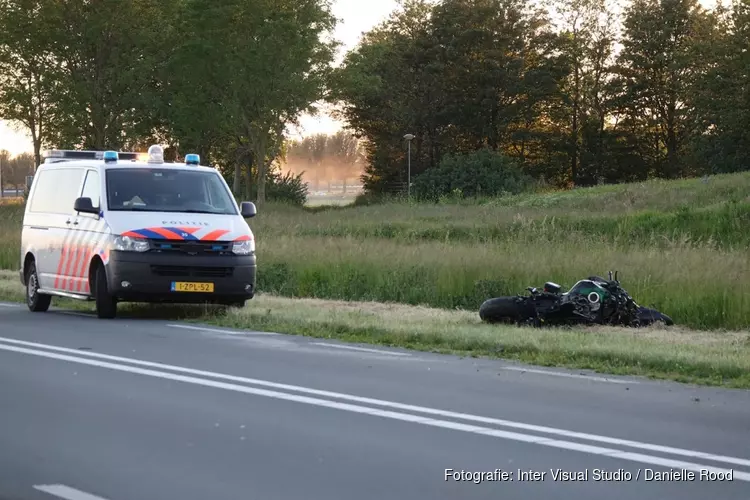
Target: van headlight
(246, 247)
(130, 244)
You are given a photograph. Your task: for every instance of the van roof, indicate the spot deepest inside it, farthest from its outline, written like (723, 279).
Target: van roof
(124, 165)
(93, 158)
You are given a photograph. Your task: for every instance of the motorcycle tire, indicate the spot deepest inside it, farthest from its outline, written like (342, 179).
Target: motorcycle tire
(500, 310)
(648, 316)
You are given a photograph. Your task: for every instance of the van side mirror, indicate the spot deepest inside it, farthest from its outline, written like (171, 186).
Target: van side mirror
(247, 208)
(85, 206)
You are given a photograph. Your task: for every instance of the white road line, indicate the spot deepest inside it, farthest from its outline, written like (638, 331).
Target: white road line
(388, 404)
(8, 305)
(216, 330)
(66, 492)
(405, 417)
(570, 375)
(362, 349)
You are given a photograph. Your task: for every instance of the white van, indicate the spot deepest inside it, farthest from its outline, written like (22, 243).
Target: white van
(127, 227)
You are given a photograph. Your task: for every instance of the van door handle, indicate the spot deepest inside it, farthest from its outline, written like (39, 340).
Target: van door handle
(75, 223)
(67, 221)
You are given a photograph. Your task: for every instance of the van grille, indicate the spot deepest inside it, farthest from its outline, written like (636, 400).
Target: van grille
(192, 247)
(188, 271)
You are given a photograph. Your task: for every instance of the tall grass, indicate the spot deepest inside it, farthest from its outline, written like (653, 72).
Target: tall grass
(11, 218)
(699, 287)
(680, 246)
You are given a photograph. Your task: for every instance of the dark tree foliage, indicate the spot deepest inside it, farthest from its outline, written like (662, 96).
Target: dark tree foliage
(221, 78)
(573, 92)
(548, 89)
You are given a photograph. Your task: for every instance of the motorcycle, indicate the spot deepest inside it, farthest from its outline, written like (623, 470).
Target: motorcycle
(589, 301)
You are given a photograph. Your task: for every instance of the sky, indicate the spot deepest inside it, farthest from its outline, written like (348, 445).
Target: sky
(355, 17)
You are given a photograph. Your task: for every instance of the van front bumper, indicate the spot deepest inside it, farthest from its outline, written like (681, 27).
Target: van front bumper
(148, 277)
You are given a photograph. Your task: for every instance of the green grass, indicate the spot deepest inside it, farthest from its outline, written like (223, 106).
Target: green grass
(708, 358)
(680, 246)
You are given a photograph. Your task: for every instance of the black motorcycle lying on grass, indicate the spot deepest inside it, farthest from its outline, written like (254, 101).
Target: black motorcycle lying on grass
(592, 301)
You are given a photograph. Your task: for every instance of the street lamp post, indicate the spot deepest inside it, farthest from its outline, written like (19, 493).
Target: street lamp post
(408, 138)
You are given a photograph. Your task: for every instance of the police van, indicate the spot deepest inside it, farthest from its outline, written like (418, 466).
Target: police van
(115, 227)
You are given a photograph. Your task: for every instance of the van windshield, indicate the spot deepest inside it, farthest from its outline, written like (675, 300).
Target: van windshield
(167, 190)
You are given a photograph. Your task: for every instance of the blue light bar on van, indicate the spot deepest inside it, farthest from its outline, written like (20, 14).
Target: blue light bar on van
(59, 155)
(192, 159)
(110, 156)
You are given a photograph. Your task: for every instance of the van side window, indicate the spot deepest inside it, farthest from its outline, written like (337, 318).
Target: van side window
(91, 187)
(56, 190)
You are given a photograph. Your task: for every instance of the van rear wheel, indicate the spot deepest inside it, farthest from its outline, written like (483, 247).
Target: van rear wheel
(106, 304)
(35, 301)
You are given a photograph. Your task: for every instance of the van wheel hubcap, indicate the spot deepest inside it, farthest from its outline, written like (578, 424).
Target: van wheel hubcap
(32, 287)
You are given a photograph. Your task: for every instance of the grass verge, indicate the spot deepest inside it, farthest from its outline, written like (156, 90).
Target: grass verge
(700, 287)
(679, 354)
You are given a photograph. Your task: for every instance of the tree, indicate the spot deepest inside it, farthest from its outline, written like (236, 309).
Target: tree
(390, 85)
(268, 63)
(656, 68)
(111, 52)
(198, 118)
(4, 169)
(346, 156)
(29, 72)
(587, 40)
(459, 75)
(16, 170)
(722, 94)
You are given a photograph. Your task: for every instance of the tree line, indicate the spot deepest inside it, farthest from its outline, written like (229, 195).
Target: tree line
(13, 171)
(221, 78)
(574, 92)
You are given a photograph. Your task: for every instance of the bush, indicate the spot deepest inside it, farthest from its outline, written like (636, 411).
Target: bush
(480, 173)
(286, 188)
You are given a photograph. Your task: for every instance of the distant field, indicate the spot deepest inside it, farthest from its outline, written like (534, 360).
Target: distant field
(680, 246)
(331, 199)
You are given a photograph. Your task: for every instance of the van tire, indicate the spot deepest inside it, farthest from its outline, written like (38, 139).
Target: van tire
(35, 301)
(106, 305)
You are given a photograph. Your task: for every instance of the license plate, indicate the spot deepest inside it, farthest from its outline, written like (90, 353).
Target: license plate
(181, 286)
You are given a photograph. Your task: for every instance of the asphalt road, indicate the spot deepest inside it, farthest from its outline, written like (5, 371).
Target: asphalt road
(142, 409)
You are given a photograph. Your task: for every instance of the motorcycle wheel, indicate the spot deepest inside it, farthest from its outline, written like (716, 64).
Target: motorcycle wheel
(648, 316)
(500, 310)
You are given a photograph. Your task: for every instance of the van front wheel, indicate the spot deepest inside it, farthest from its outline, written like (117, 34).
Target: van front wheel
(106, 304)
(35, 301)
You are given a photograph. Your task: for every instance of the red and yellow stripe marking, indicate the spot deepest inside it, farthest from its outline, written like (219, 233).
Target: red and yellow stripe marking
(73, 267)
(72, 253)
(60, 264)
(83, 271)
(215, 235)
(76, 266)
